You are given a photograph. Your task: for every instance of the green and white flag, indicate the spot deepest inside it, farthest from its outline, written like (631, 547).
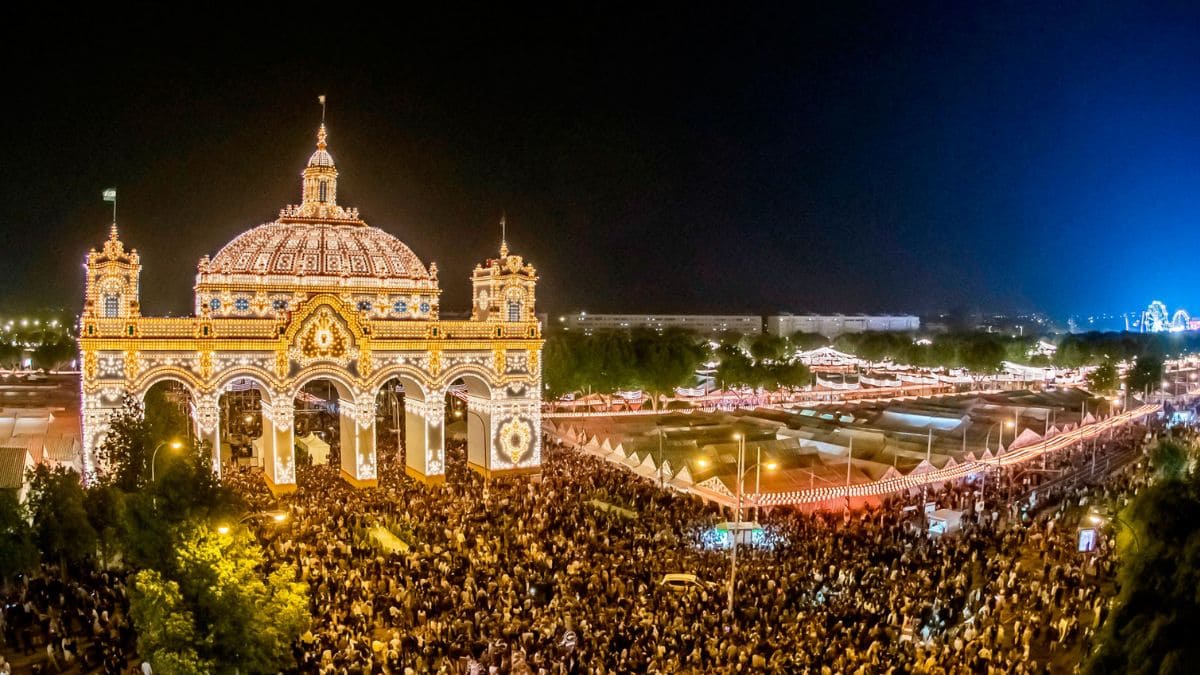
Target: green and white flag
(110, 195)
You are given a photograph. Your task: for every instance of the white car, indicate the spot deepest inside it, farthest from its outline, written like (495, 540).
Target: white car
(684, 582)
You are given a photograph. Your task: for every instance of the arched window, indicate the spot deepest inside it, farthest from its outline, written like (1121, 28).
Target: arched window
(514, 310)
(323, 191)
(112, 305)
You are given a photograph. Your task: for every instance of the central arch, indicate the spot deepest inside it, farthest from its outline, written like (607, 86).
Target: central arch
(355, 410)
(423, 426)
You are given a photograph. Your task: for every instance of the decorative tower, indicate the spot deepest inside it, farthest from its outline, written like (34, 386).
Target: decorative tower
(503, 288)
(318, 193)
(113, 276)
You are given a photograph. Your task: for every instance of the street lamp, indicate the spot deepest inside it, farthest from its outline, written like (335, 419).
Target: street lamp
(987, 445)
(737, 530)
(1097, 519)
(273, 516)
(174, 445)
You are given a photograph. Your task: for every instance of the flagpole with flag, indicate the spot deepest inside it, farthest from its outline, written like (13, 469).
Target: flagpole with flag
(110, 195)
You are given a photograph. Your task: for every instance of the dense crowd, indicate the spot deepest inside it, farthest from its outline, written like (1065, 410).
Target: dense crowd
(66, 623)
(536, 576)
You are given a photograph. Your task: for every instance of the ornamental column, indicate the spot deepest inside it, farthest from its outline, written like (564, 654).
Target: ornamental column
(357, 437)
(278, 446)
(97, 409)
(424, 438)
(206, 416)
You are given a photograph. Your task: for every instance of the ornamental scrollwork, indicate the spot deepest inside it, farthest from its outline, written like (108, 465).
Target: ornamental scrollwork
(515, 437)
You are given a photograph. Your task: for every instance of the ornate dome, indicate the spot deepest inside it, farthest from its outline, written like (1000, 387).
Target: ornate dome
(316, 245)
(318, 238)
(299, 248)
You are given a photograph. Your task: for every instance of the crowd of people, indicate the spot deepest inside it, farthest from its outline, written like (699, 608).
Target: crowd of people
(58, 623)
(536, 577)
(529, 575)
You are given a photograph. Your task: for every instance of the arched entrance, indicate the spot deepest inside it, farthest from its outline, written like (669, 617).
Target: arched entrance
(334, 406)
(319, 293)
(240, 403)
(413, 421)
(168, 406)
(389, 420)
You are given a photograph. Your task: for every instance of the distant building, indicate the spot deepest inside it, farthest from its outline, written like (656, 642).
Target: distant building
(833, 325)
(700, 323)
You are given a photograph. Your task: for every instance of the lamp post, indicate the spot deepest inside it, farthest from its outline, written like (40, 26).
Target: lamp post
(987, 443)
(273, 516)
(737, 530)
(660, 454)
(738, 525)
(1097, 519)
(175, 445)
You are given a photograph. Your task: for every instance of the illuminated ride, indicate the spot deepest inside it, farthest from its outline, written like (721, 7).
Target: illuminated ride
(319, 294)
(1157, 319)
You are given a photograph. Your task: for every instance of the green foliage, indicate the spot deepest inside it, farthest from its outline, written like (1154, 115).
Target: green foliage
(664, 362)
(54, 353)
(609, 361)
(60, 521)
(216, 611)
(185, 489)
(1105, 379)
(735, 368)
(141, 516)
(123, 459)
(105, 507)
(1145, 374)
(808, 341)
(1083, 349)
(166, 628)
(10, 355)
(1169, 458)
(1151, 628)
(18, 553)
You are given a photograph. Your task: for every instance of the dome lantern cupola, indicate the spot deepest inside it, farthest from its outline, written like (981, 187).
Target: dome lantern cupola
(320, 176)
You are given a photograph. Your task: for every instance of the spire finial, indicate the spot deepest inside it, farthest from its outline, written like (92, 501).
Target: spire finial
(321, 133)
(503, 237)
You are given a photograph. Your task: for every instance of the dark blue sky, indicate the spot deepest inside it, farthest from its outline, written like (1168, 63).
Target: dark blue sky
(865, 158)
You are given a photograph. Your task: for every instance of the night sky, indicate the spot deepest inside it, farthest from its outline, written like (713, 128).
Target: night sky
(894, 158)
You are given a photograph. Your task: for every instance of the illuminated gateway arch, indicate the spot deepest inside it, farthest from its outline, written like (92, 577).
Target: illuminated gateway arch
(319, 294)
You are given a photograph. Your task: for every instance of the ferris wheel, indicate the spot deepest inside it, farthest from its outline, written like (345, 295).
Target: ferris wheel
(1156, 319)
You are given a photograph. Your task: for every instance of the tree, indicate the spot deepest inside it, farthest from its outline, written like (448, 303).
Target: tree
(1145, 375)
(135, 431)
(788, 375)
(666, 361)
(1150, 629)
(1105, 379)
(734, 367)
(216, 612)
(10, 355)
(60, 521)
(166, 628)
(105, 506)
(808, 341)
(123, 458)
(54, 353)
(18, 553)
(983, 356)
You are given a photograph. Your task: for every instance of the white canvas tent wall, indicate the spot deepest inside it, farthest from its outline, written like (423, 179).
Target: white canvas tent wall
(317, 449)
